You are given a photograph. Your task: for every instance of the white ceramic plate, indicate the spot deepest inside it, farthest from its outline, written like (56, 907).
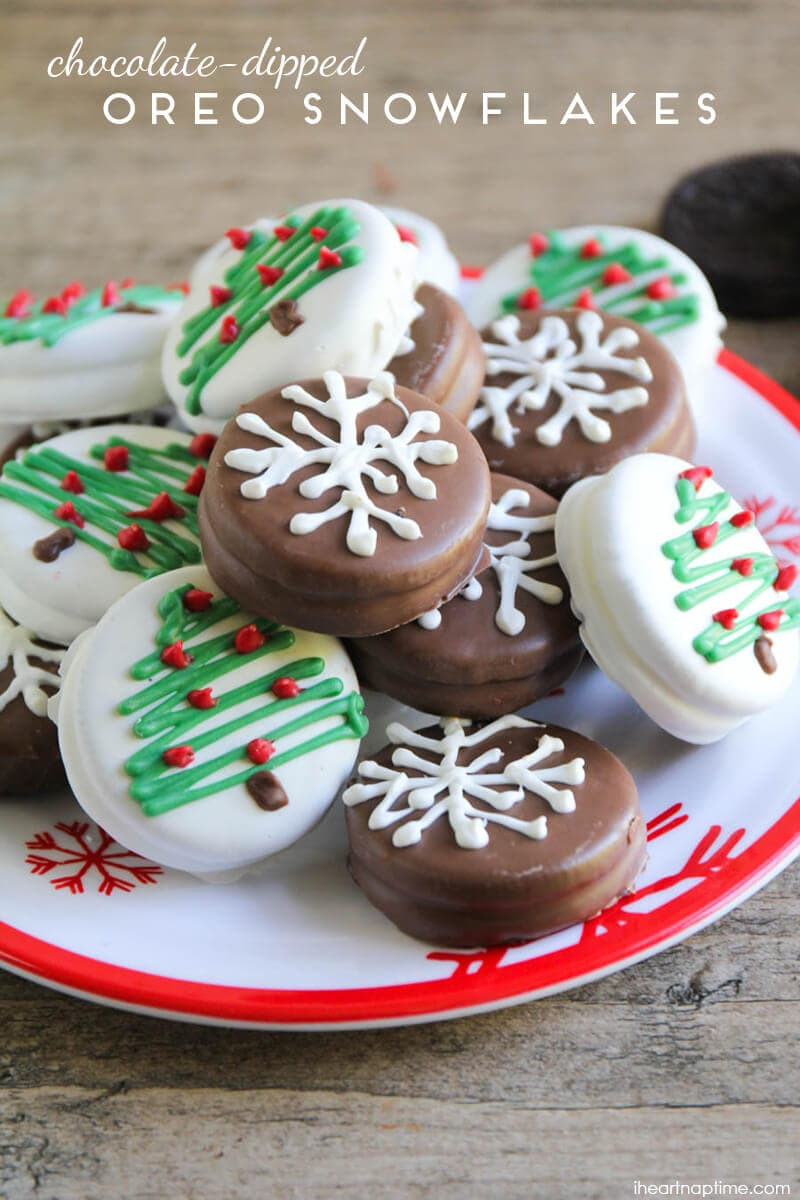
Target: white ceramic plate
(299, 946)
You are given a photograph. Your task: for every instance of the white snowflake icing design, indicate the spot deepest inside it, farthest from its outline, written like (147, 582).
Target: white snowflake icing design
(511, 564)
(346, 461)
(18, 647)
(551, 363)
(445, 786)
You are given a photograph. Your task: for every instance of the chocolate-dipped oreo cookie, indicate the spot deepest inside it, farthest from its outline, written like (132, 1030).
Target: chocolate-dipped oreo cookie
(476, 835)
(29, 757)
(347, 505)
(567, 394)
(506, 640)
(443, 359)
(739, 219)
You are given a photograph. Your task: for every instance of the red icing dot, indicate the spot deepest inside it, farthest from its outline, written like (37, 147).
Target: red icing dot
(591, 249)
(726, 617)
(110, 295)
(406, 234)
(201, 698)
(269, 275)
(229, 330)
(530, 299)
(742, 518)
(238, 238)
(115, 458)
(248, 639)
(162, 508)
(202, 444)
(283, 232)
(73, 291)
(127, 282)
(19, 305)
(616, 273)
(705, 535)
(743, 565)
(785, 578)
(55, 304)
(194, 484)
(259, 751)
(328, 258)
(219, 295)
(72, 482)
(538, 244)
(585, 299)
(179, 756)
(770, 621)
(183, 286)
(176, 656)
(286, 688)
(696, 475)
(318, 233)
(662, 289)
(133, 537)
(197, 600)
(68, 512)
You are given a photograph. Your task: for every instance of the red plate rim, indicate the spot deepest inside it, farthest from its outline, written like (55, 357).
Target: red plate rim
(458, 994)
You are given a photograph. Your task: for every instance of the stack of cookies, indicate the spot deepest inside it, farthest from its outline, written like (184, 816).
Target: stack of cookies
(363, 483)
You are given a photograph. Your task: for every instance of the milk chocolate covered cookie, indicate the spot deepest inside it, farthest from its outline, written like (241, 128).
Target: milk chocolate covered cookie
(475, 835)
(507, 639)
(346, 505)
(442, 358)
(568, 394)
(29, 757)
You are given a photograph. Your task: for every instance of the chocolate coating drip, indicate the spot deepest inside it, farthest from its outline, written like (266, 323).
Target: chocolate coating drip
(267, 791)
(49, 548)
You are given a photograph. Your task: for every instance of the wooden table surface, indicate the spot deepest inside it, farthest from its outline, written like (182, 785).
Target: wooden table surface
(684, 1067)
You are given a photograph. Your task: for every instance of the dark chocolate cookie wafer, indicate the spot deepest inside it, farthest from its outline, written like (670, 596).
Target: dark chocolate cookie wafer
(739, 219)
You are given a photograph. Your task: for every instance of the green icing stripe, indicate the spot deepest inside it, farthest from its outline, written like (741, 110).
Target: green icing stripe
(169, 718)
(250, 300)
(561, 274)
(706, 578)
(109, 496)
(49, 328)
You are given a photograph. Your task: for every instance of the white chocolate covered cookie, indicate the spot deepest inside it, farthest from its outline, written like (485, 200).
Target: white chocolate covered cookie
(436, 262)
(83, 355)
(88, 514)
(199, 736)
(626, 272)
(681, 600)
(328, 287)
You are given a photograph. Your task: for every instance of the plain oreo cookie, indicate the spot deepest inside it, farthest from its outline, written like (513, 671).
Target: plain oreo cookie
(739, 219)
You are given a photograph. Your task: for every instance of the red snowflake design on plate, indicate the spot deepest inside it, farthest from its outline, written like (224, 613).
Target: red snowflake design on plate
(622, 918)
(780, 525)
(85, 850)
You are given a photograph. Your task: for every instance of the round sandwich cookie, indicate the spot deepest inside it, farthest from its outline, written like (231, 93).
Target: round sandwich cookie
(477, 835)
(83, 354)
(682, 603)
(623, 271)
(29, 757)
(567, 394)
(347, 505)
(506, 640)
(436, 262)
(203, 737)
(329, 286)
(88, 514)
(442, 357)
(739, 219)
